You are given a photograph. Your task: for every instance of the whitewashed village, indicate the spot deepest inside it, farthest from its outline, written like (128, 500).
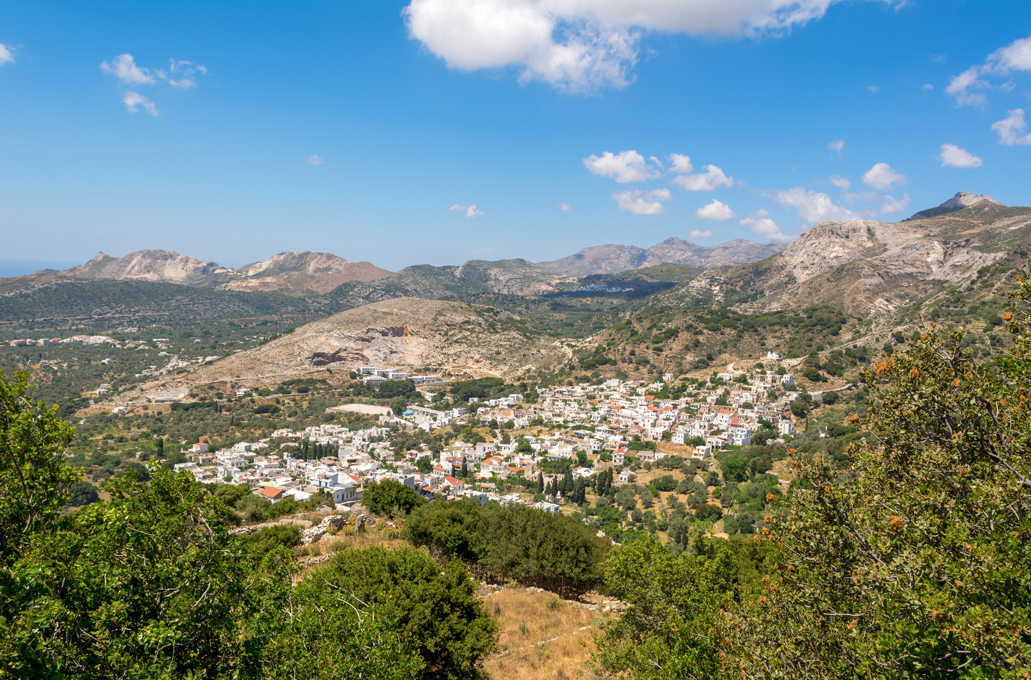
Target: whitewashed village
(612, 425)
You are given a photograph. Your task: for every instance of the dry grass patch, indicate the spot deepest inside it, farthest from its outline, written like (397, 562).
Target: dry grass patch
(541, 636)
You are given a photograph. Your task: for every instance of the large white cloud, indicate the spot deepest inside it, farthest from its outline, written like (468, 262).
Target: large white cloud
(625, 166)
(1002, 62)
(953, 156)
(580, 45)
(812, 206)
(1012, 129)
(713, 178)
(642, 202)
(716, 210)
(760, 223)
(5, 54)
(883, 177)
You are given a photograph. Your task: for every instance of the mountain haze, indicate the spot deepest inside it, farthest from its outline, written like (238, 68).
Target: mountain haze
(611, 259)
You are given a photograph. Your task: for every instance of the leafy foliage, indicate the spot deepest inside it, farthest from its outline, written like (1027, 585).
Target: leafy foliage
(390, 498)
(515, 542)
(912, 561)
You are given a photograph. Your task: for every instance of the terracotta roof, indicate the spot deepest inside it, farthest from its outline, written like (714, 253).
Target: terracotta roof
(271, 492)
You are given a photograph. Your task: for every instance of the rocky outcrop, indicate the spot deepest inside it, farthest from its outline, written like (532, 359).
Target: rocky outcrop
(153, 265)
(290, 272)
(305, 272)
(408, 333)
(958, 202)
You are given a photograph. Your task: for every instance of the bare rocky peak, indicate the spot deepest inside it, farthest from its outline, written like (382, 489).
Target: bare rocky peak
(291, 260)
(291, 271)
(150, 265)
(958, 202)
(828, 245)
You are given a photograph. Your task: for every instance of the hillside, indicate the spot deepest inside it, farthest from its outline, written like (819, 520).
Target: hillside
(290, 272)
(306, 272)
(156, 266)
(612, 259)
(866, 268)
(51, 302)
(411, 333)
(476, 277)
(958, 202)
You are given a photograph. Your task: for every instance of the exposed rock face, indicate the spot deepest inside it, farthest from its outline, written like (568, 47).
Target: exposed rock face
(866, 268)
(829, 245)
(153, 265)
(407, 333)
(612, 259)
(289, 272)
(958, 202)
(310, 272)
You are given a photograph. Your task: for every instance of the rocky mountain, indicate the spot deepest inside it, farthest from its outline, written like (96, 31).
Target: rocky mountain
(157, 266)
(291, 272)
(412, 334)
(305, 272)
(958, 202)
(866, 268)
(611, 259)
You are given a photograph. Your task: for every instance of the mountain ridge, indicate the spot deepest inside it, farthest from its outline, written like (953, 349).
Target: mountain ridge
(615, 258)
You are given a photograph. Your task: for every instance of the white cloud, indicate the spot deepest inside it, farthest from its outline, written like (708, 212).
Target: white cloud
(713, 178)
(133, 100)
(698, 233)
(315, 160)
(1012, 129)
(5, 54)
(882, 177)
(927, 87)
(760, 223)
(716, 210)
(890, 204)
(179, 75)
(125, 69)
(564, 207)
(955, 157)
(470, 211)
(680, 163)
(841, 182)
(625, 166)
(642, 202)
(1013, 57)
(837, 146)
(960, 85)
(812, 206)
(583, 45)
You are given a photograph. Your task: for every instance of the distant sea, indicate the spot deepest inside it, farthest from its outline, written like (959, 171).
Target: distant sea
(23, 267)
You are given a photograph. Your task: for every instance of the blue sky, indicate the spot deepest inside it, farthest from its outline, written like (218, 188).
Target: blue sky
(437, 131)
